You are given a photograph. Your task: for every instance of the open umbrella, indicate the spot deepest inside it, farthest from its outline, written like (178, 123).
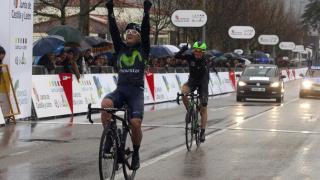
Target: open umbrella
(172, 48)
(214, 53)
(84, 46)
(159, 51)
(96, 41)
(232, 55)
(47, 44)
(219, 59)
(70, 34)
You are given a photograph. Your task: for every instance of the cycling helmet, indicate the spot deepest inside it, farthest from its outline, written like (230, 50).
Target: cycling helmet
(134, 26)
(200, 45)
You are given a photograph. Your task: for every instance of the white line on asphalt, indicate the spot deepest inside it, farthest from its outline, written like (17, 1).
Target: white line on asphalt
(274, 130)
(181, 148)
(18, 153)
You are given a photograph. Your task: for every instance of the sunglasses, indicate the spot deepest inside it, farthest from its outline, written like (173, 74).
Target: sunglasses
(132, 32)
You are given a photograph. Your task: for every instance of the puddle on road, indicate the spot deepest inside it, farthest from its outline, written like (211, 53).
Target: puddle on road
(195, 164)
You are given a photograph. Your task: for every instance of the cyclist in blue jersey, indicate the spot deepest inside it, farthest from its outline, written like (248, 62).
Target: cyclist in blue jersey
(132, 57)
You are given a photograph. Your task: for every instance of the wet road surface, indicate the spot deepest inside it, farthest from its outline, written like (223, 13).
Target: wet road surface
(248, 140)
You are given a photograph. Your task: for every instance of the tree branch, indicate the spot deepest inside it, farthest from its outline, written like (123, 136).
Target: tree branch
(46, 14)
(49, 4)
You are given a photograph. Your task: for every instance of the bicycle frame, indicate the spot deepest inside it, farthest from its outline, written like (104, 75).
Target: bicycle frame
(113, 124)
(194, 98)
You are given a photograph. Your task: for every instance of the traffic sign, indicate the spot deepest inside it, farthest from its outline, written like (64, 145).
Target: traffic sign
(189, 18)
(287, 45)
(268, 39)
(242, 32)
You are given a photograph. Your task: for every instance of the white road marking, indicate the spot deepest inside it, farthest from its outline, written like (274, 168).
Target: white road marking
(182, 147)
(18, 153)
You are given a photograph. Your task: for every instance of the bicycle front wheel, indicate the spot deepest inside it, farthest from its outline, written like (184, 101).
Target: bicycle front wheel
(188, 129)
(108, 154)
(128, 173)
(196, 127)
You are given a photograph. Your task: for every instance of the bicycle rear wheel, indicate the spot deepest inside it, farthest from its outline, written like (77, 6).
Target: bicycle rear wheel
(128, 173)
(188, 129)
(108, 154)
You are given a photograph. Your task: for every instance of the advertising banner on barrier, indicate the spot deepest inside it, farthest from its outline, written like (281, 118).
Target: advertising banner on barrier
(215, 84)
(48, 96)
(226, 85)
(66, 82)
(182, 78)
(16, 19)
(104, 84)
(160, 88)
(172, 84)
(84, 93)
(150, 83)
(148, 97)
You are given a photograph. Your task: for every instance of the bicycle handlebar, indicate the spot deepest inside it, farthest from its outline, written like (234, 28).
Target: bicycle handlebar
(108, 110)
(187, 95)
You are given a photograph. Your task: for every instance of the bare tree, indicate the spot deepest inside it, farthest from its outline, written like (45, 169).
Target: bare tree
(161, 16)
(84, 16)
(61, 6)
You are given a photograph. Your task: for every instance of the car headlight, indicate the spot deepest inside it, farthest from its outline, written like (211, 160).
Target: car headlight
(241, 83)
(275, 84)
(306, 84)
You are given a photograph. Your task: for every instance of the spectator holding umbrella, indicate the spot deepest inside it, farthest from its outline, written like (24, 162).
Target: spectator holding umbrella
(48, 61)
(61, 58)
(70, 64)
(88, 57)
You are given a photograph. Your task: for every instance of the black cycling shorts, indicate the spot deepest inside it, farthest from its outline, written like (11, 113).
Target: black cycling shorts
(202, 86)
(131, 96)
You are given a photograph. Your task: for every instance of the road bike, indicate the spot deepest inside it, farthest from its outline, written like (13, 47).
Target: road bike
(115, 151)
(192, 129)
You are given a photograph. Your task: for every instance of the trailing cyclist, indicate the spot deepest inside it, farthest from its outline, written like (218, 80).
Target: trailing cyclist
(132, 56)
(198, 79)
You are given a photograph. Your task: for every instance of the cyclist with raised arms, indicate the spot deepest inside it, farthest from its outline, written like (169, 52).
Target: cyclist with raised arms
(198, 79)
(132, 57)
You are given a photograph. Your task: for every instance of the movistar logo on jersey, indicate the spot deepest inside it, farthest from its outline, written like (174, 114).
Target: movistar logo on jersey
(129, 61)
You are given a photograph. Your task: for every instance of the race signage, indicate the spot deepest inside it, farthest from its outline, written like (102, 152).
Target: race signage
(242, 32)
(16, 17)
(238, 51)
(299, 48)
(268, 39)
(287, 46)
(189, 18)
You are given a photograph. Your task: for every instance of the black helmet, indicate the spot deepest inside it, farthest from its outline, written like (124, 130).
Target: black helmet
(134, 26)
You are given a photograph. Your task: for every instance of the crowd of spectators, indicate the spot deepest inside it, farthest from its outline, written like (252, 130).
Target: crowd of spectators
(69, 56)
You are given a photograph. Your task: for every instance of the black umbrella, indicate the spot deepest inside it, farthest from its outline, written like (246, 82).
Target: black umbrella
(214, 53)
(96, 41)
(47, 44)
(84, 46)
(159, 51)
(232, 55)
(70, 34)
